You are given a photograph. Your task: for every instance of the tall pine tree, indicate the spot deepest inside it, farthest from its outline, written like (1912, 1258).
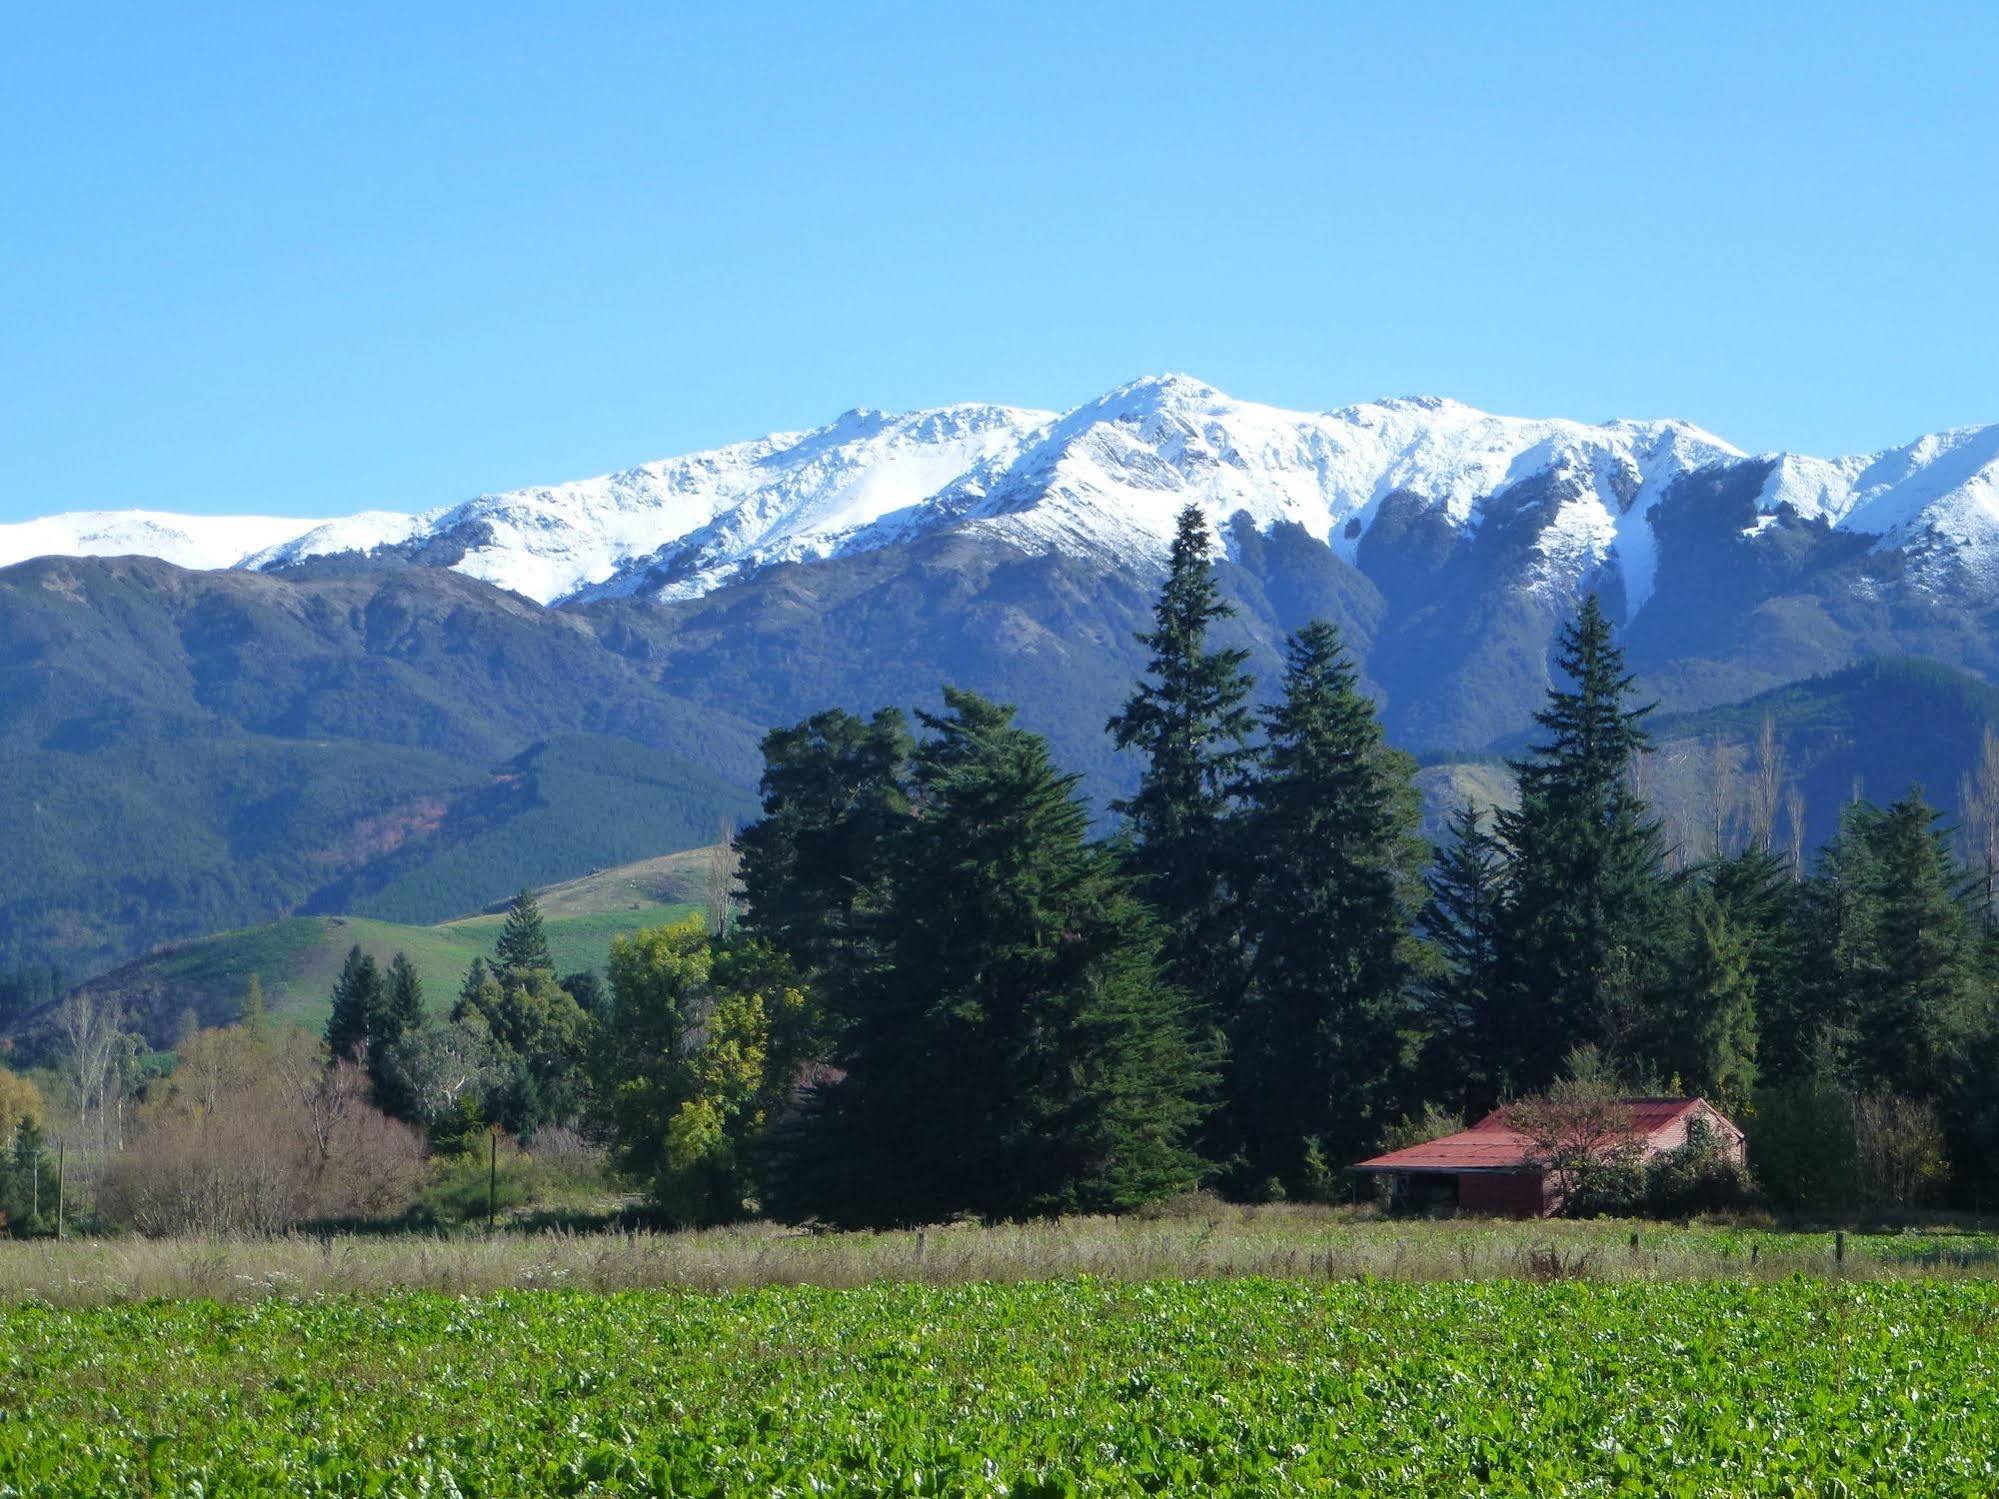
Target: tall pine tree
(1585, 931)
(1015, 1048)
(1333, 876)
(1467, 892)
(1711, 1041)
(1191, 722)
(1919, 999)
(357, 999)
(523, 944)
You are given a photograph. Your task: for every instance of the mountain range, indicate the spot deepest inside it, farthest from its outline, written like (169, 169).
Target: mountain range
(211, 721)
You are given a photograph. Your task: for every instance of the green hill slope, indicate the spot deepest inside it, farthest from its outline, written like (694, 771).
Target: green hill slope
(297, 959)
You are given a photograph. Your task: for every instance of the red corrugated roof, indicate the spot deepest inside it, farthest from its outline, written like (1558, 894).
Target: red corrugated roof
(1490, 1145)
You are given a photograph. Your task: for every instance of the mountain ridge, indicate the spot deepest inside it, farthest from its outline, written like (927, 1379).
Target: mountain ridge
(1104, 479)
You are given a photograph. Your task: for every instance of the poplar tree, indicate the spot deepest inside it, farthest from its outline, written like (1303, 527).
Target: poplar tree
(1190, 721)
(1583, 936)
(357, 998)
(1332, 877)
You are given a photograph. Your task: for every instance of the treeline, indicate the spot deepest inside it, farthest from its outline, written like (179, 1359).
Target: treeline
(1267, 974)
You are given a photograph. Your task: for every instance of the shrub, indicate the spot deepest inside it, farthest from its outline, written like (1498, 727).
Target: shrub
(1700, 1176)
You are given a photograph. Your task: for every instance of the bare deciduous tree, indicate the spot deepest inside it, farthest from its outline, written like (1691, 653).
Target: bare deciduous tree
(1766, 785)
(1723, 793)
(90, 1028)
(1794, 827)
(1978, 818)
(724, 868)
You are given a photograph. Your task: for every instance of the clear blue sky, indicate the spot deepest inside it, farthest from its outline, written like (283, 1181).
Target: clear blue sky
(312, 259)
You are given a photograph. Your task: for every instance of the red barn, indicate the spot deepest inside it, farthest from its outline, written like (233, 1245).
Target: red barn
(1491, 1168)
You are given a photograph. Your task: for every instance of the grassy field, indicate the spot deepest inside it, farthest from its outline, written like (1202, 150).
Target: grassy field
(298, 959)
(1200, 1240)
(1065, 1387)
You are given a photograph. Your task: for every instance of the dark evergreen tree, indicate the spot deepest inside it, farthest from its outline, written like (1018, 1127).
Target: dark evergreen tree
(587, 989)
(1467, 892)
(1015, 1049)
(357, 1000)
(1191, 723)
(23, 1202)
(833, 797)
(1810, 1026)
(402, 1005)
(1332, 880)
(1918, 1013)
(523, 944)
(1711, 1042)
(1584, 937)
(397, 1024)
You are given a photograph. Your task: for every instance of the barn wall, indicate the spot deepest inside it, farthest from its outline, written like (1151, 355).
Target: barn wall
(1513, 1194)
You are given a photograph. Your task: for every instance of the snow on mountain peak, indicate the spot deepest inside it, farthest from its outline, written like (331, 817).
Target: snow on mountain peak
(1104, 480)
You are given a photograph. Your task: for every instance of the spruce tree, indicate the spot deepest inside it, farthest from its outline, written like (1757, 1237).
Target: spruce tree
(1810, 1027)
(357, 997)
(1584, 933)
(523, 945)
(1332, 882)
(1916, 1015)
(402, 1010)
(1460, 918)
(1015, 1049)
(1191, 723)
(1713, 1040)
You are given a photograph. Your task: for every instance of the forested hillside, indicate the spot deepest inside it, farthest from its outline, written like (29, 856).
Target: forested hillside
(187, 752)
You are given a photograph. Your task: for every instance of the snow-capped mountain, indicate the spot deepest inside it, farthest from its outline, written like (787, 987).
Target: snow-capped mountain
(196, 541)
(1105, 481)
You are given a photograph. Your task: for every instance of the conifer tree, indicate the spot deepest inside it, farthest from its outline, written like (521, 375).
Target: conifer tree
(402, 1004)
(476, 977)
(833, 796)
(1190, 721)
(256, 1017)
(1917, 1015)
(523, 944)
(1332, 881)
(1584, 933)
(1467, 892)
(1713, 1043)
(397, 1025)
(357, 997)
(1015, 1049)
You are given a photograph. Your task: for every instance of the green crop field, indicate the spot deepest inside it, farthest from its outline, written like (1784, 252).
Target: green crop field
(1802, 1386)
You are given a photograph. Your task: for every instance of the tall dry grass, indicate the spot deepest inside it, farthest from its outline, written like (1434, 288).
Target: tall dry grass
(1201, 1240)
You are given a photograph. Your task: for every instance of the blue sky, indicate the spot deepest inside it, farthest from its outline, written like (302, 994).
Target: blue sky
(313, 259)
